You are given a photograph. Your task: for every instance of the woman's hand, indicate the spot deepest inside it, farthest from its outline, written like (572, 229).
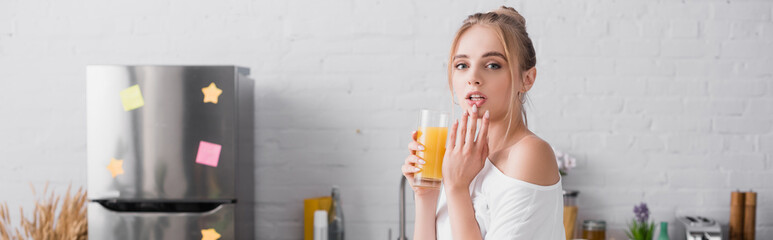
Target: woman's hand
(465, 155)
(413, 165)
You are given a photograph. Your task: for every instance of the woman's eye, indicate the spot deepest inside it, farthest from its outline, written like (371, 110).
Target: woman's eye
(461, 66)
(493, 66)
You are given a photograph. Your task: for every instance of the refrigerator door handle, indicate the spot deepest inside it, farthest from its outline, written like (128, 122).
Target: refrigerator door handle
(161, 207)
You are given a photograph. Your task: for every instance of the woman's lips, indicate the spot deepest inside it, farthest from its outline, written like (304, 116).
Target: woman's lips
(475, 102)
(476, 98)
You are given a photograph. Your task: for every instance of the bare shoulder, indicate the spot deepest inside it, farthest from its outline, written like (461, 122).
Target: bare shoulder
(531, 160)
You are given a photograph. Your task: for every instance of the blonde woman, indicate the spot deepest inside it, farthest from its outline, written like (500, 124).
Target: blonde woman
(505, 184)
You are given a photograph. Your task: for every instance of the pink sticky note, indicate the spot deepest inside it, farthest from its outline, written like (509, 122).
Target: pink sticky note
(209, 153)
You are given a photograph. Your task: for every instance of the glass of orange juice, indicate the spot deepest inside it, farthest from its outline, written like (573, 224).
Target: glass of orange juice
(432, 133)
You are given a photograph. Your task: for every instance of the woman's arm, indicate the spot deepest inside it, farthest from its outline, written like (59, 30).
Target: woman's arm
(424, 225)
(464, 158)
(463, 222)
(426, 198)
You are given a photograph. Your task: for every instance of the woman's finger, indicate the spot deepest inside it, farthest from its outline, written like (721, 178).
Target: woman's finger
(415, 146)
(452, 139)
(485, 148)
(415, 160)
(483, 134)
(411, 148)
(409, 169)
(462, 130)
(470, 138)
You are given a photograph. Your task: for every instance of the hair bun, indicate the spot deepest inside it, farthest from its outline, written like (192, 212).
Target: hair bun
(511, 12)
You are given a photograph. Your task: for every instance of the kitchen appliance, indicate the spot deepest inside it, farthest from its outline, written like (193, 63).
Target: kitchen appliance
(169, 152)
(699, 228)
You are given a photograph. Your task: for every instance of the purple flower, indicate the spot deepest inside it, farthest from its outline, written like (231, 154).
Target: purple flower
(642, 212)
(570, 162)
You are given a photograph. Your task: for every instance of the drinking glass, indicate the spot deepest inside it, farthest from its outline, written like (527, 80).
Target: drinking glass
(432, 134)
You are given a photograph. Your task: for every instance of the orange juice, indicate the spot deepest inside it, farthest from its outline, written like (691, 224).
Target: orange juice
(434, 141)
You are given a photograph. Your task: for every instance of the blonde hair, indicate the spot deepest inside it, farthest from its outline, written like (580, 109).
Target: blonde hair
(510, 28)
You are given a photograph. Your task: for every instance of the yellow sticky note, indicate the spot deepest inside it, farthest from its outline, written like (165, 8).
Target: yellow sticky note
(115, 167)
(131, 98)
(211, 93)
(209, 234)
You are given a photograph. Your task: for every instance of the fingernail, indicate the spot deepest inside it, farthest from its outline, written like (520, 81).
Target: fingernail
(485, 115)
(474, 108)
(420, 147)
(422, 161)
(416, 169)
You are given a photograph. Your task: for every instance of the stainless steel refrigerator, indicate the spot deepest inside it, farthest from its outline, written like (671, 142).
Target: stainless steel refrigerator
(170, 152)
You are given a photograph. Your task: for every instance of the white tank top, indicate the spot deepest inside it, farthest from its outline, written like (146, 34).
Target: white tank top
(508, 208)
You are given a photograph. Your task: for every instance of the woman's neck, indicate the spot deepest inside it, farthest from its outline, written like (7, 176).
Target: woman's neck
(501, 138)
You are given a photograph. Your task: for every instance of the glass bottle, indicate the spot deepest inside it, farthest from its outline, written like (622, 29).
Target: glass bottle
(570, 212)
(336, 216)
(594, 229)
(663, 231)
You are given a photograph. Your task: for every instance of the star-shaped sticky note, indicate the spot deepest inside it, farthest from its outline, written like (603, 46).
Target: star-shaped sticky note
(211, 93)
(115, 167)
(209, 234)
(131, 98)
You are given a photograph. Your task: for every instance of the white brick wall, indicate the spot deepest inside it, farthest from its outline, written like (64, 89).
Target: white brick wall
(667, 102)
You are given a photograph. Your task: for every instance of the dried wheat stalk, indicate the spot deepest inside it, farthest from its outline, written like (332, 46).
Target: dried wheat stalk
(71, 223)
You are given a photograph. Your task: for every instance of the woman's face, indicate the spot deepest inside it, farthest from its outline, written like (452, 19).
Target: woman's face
(481, 75)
